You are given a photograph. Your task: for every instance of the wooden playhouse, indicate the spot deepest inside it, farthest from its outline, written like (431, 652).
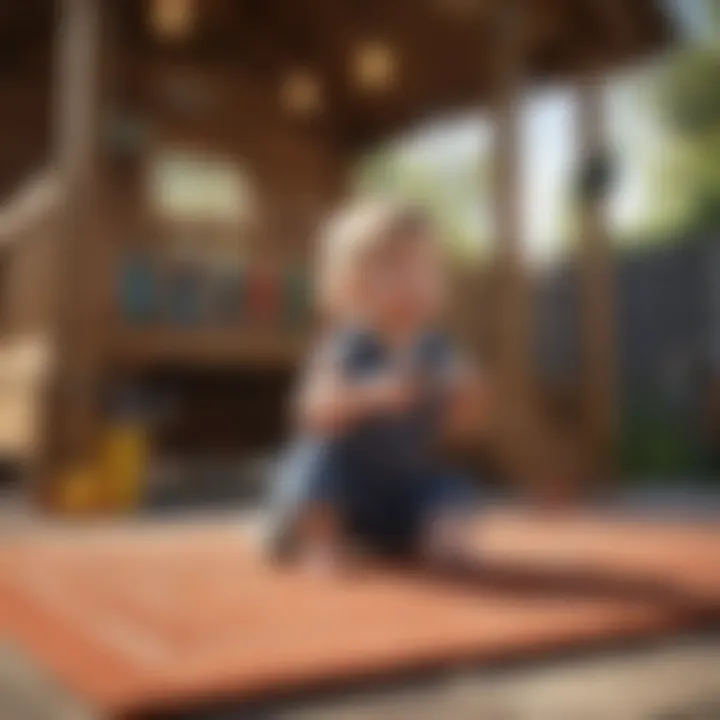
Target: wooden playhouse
(180, 155)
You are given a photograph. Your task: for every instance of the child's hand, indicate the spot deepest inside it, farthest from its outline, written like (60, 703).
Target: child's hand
(331, 405)
(466, 408)
(392, 394)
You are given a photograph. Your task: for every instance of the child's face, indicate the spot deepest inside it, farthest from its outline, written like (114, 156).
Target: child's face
(403, 285)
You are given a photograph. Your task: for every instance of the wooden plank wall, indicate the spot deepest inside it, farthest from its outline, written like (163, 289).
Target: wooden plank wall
(296, 173)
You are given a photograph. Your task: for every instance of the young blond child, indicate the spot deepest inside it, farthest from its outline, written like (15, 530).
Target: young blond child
(363, 471)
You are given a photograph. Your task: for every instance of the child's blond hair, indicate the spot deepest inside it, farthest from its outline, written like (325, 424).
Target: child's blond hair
(355, 234)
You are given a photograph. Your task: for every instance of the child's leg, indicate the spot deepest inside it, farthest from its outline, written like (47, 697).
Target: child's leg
(305, 508)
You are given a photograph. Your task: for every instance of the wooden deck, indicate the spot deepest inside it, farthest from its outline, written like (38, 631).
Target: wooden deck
(148, 618)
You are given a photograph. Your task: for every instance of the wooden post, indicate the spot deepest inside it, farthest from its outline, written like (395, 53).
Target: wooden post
(70, 420)
(512, 349)
(596, 287)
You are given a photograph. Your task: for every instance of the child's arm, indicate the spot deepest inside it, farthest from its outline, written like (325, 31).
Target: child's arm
(330, 402)
(465, 393)
(466, 405)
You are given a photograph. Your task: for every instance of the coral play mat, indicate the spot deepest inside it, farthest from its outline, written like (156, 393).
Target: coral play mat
(148, 617)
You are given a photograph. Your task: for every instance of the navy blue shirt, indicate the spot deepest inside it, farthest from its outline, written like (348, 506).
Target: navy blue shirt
(394, 444)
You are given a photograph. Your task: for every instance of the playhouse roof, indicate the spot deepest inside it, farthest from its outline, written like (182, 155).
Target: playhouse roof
(379, 65)
(370, 67)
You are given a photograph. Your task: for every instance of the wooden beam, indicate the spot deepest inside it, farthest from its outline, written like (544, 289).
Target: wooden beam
(596, 278)
(29, 206)
(25, 29)
(227, 35)
(612, 17)
(78, 93)
(307, 48)
(523, 440)
(512, 335)
(246, 37)
(71, 419)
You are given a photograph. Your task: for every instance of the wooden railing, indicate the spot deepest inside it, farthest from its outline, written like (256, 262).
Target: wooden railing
(26, 301)
(25, 209)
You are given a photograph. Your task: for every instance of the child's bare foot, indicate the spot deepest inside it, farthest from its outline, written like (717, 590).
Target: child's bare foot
(336, 558)
(323, 558)
(447, 543)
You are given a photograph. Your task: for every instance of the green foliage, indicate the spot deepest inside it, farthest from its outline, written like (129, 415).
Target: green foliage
(688, 95)
(690, 92)
(655, 448)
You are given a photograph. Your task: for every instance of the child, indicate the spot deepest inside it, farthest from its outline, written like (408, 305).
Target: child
(363, 471)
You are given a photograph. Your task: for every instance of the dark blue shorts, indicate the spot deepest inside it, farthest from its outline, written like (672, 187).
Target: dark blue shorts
(387, 512)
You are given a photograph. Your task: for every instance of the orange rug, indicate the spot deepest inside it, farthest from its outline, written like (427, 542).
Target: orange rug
(150, 618)
(680, 555)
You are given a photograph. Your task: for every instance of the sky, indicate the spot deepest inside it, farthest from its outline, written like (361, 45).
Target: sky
(549, 150)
